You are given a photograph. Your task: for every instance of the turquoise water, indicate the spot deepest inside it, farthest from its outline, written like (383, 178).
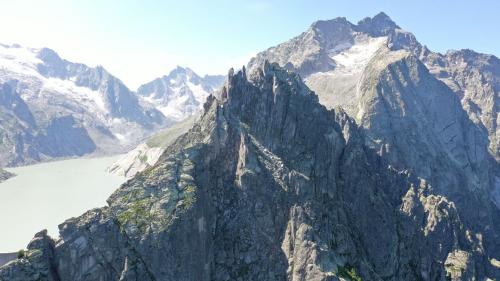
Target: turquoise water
(44, 195)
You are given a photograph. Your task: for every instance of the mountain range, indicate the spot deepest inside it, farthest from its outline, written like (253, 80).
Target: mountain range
(350, 152)
(52, 108)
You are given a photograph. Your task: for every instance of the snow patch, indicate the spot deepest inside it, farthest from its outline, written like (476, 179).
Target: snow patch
(354, 58)
(340, 47)
(337, 86)
(198, 92)
(21, 64)
(181, 101)
(18, 62)
(82, 95)
(120, 137)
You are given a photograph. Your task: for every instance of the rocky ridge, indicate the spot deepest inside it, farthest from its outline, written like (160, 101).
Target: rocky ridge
(267, 185)
(180, 96)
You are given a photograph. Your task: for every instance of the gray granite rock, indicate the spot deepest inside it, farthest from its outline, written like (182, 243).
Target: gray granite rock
(430, 114)
(269, 185)
(34, 264)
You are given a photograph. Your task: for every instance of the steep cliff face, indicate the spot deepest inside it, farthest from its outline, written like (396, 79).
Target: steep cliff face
(349, 58)
(267, 185)
(431, 114)
(475, 78)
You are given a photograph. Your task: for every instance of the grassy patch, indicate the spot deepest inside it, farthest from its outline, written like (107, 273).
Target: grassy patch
(21, 254)
(138, 214)
(189, 196)
(144, 212)
(143, 158)
(348, 272)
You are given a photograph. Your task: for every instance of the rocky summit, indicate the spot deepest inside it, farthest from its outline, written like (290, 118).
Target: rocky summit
(350, 152)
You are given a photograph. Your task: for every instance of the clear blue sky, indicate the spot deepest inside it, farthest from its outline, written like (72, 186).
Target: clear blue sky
(140, 40)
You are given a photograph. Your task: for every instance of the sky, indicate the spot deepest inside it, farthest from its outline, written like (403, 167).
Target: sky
(138, 41)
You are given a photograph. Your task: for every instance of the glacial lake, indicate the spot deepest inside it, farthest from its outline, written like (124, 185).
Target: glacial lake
(42, 196)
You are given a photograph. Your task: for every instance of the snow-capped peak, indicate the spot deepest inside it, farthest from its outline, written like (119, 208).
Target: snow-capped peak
(180, 93)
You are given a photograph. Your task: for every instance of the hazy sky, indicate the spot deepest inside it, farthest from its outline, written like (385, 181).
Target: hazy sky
(141, 40)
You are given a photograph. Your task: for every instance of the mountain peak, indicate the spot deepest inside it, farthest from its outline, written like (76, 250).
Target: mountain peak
(380, 25)
(326, 25)
(382, 17)
(48, 55)
(179, 70)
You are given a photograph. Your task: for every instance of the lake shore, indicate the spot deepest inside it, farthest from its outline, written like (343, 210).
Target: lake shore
(7, 257)
(44, 195)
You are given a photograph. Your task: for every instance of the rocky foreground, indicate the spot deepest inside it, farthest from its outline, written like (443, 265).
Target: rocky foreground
(4, 175)
(269, 184)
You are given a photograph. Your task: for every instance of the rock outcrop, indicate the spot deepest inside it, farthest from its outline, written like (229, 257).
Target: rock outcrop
(36, 263)
(4, 175)
(269, 184)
